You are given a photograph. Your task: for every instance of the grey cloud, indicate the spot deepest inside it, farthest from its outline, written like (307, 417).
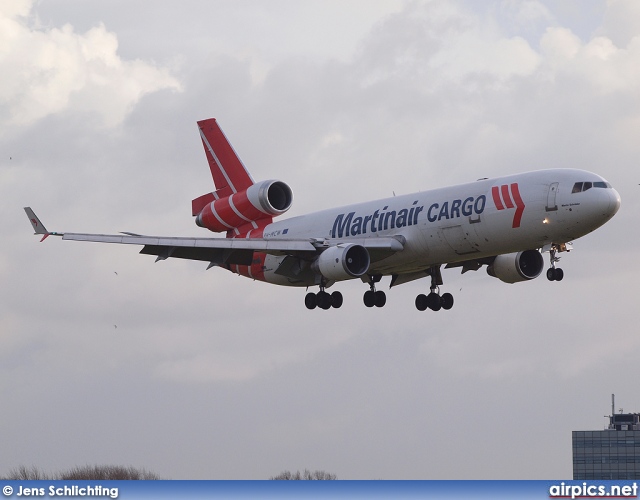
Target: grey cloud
(236, 378)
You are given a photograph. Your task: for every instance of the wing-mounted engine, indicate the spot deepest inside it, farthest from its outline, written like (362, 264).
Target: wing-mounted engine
(258, 203)
(342, 262)
(515, 267)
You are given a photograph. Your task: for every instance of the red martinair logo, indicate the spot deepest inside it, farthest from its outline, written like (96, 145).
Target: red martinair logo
(506, 197)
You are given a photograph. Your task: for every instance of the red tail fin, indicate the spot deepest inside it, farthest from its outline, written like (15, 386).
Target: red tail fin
(228, 172)
(238, 206)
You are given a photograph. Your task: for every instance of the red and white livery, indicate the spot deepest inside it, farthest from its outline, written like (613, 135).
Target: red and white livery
(506, 224)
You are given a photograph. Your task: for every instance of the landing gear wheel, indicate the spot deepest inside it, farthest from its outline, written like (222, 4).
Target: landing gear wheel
(446, 301)
(336, 300)
(324, 300)
(555, 274)
(369, 298)
(380, 298)
(421, 302)
(311, 300)
(433, 301)
(372, 298)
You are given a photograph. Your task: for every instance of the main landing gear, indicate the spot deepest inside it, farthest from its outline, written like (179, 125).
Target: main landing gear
(434, 300)
(323, 300)
(555, 273)
(372, 297)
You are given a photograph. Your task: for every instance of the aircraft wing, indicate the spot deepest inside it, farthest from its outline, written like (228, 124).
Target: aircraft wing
(217, 251)
(275, 247)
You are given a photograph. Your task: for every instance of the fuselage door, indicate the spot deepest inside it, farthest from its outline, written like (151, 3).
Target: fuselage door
(460, 239)
(551, 197)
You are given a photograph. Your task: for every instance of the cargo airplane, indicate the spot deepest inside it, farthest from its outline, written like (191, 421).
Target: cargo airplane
(504, 223)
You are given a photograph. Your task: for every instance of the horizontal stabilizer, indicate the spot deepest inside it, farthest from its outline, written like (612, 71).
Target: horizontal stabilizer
(200, 202)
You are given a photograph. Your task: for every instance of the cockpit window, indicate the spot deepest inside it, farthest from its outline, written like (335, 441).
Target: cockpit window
(579, 187)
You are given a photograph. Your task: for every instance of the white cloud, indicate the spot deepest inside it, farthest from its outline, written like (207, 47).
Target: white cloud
(472, 53)
(527, 11)
(598, 62)
(560, 45)
(621, 21)
(14, 8)
(438, 43)
(52, 70)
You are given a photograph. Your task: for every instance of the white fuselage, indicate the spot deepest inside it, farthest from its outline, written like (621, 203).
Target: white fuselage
(469, 221)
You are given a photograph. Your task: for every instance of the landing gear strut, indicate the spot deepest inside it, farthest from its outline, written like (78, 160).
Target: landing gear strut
(323, 300)
(555, 273)
(434, 300)
(372, 297)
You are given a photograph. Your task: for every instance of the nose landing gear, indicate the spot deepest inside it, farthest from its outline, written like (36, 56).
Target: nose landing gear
(555, 273)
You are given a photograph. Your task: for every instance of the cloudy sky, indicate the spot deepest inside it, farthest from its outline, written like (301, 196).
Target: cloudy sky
(109, 358)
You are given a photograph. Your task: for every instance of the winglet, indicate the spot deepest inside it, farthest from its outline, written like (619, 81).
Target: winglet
(38, 226)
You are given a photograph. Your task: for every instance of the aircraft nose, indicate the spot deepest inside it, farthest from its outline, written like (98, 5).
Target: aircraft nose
(614, 203)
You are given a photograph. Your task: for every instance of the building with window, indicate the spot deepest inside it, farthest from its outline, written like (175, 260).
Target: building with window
(613, 453)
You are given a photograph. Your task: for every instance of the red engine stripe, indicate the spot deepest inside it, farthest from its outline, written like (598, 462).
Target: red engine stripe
(254, 230)
(211, 221)
(246, 208)
(225, 213)
(236, 212)
(215, 212)
(243, 271)
(257, 267)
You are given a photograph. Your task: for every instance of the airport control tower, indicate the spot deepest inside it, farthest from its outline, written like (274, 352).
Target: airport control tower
(613, 453)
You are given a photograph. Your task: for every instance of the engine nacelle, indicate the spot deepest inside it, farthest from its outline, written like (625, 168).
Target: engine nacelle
(515, 267)
(260, 201)
(342, 262)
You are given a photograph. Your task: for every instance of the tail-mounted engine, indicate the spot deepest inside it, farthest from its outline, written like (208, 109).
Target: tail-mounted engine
(259, 202)
(515, 267)
(342, 262)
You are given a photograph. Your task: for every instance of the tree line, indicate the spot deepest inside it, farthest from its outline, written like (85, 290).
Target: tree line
(119, 473)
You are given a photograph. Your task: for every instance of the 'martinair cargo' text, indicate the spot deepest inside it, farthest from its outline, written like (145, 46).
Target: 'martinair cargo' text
(346, 225)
